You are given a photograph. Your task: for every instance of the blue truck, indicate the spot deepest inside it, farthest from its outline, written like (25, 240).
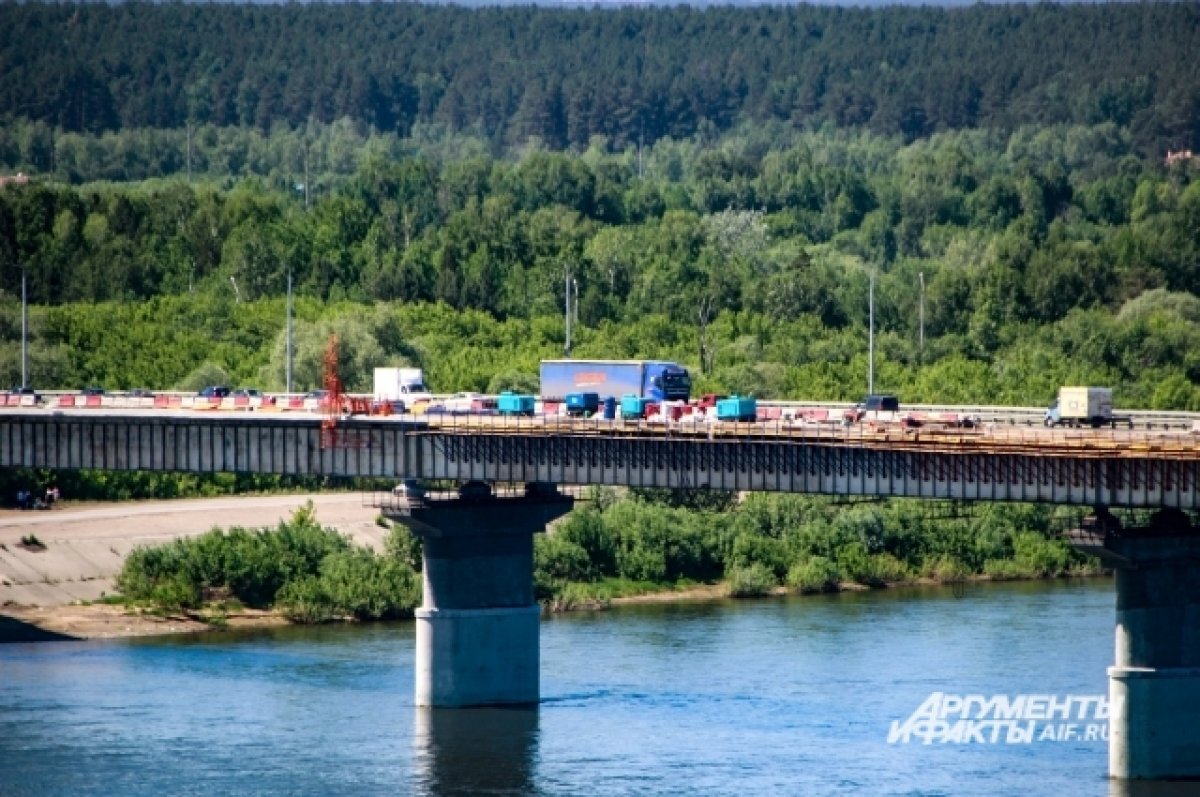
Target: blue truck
(654, 380)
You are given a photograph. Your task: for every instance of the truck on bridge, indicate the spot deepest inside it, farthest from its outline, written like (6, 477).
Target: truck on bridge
(1084, 406)
(655, 380)
(402, 387)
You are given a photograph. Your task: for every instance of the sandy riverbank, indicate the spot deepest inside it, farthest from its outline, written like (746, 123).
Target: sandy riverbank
(82, 547)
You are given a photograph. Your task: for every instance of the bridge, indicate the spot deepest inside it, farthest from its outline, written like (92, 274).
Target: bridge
(477, 629)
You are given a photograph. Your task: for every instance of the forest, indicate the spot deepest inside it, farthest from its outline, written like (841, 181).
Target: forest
(633, 75)
(1004, 266)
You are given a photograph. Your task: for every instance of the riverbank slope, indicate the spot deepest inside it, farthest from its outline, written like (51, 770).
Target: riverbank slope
(52, 560)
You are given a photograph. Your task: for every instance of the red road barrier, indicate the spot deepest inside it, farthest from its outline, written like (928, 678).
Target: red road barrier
(66, 401)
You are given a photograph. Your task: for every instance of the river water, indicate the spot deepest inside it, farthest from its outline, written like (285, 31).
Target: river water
(765, 697)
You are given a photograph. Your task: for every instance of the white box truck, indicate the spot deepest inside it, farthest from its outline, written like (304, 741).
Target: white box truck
(403, 387)
(1084, 406)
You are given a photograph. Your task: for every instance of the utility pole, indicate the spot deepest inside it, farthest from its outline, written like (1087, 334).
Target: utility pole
(306, 172)
(921, 350)
(237, 295)
(289, 332)
(189, 151)
(871, 336)
(24, 332)
(568, 311)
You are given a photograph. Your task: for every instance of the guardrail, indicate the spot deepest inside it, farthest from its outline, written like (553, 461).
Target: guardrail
(1026, 416)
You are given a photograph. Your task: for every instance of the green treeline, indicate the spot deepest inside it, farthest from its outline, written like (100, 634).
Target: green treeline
(803, 543)
(615, 546)
(1045, 257)
(309, 573)
(631, 75)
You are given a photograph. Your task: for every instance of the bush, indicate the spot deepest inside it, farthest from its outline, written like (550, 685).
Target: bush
(947, 569)
(751, 581)
(1006, 570)
(1042, 556)
(559, 559)
(886, 569)
(177, 593)
(816, 574)
(309, 572)
(404, 546)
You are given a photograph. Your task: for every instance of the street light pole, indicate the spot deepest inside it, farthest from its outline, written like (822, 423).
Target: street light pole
(289, 332)
(24, 332)
(871, 336)
(921, 279)
(568, 311)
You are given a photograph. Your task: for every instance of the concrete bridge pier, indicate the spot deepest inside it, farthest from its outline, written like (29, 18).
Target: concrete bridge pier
(478, 625)
(1154, 683)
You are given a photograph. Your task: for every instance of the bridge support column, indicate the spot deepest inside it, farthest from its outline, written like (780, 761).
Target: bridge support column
(478, 625)
(1154, 683)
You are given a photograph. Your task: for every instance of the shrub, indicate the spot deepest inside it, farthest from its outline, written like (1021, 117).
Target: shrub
(1043, 557)
(815, 574)
(404, 546)
(947, 569)
(751, 581)
(886, 569)
(559, 559)
(177, 593)
(1005, 570)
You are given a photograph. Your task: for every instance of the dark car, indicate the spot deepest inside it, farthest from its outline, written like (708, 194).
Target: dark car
(214, 392)
(881, 403)
(248, 392)
(874, 403)
(25, 391)
(92, 391)
(141, 392)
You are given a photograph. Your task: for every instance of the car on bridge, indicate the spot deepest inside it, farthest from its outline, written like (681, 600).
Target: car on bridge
(26, 390)
(214, 392)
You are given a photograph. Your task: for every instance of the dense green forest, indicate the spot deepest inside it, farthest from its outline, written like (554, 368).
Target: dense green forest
(1042, 257)
(630, 75)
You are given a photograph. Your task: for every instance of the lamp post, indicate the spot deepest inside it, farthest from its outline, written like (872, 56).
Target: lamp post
(567, 289)
(871, 335)
(24, 332)
(921, 349)
(289, 332)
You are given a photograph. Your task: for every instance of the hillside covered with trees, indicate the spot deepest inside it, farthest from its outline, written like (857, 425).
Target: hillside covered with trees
(631, 75)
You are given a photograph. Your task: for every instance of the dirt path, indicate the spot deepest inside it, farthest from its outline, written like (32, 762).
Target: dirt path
(82, 547)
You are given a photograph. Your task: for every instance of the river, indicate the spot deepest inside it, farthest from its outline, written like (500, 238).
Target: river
(764, 697)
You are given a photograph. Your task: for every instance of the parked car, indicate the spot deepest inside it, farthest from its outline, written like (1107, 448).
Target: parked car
(92, 391)
(214, 392)
(26, 391)
(410, 489)
(248, 392)
(876, 407)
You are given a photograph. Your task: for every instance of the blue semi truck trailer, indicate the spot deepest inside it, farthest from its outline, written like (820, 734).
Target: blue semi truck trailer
(655, 380)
